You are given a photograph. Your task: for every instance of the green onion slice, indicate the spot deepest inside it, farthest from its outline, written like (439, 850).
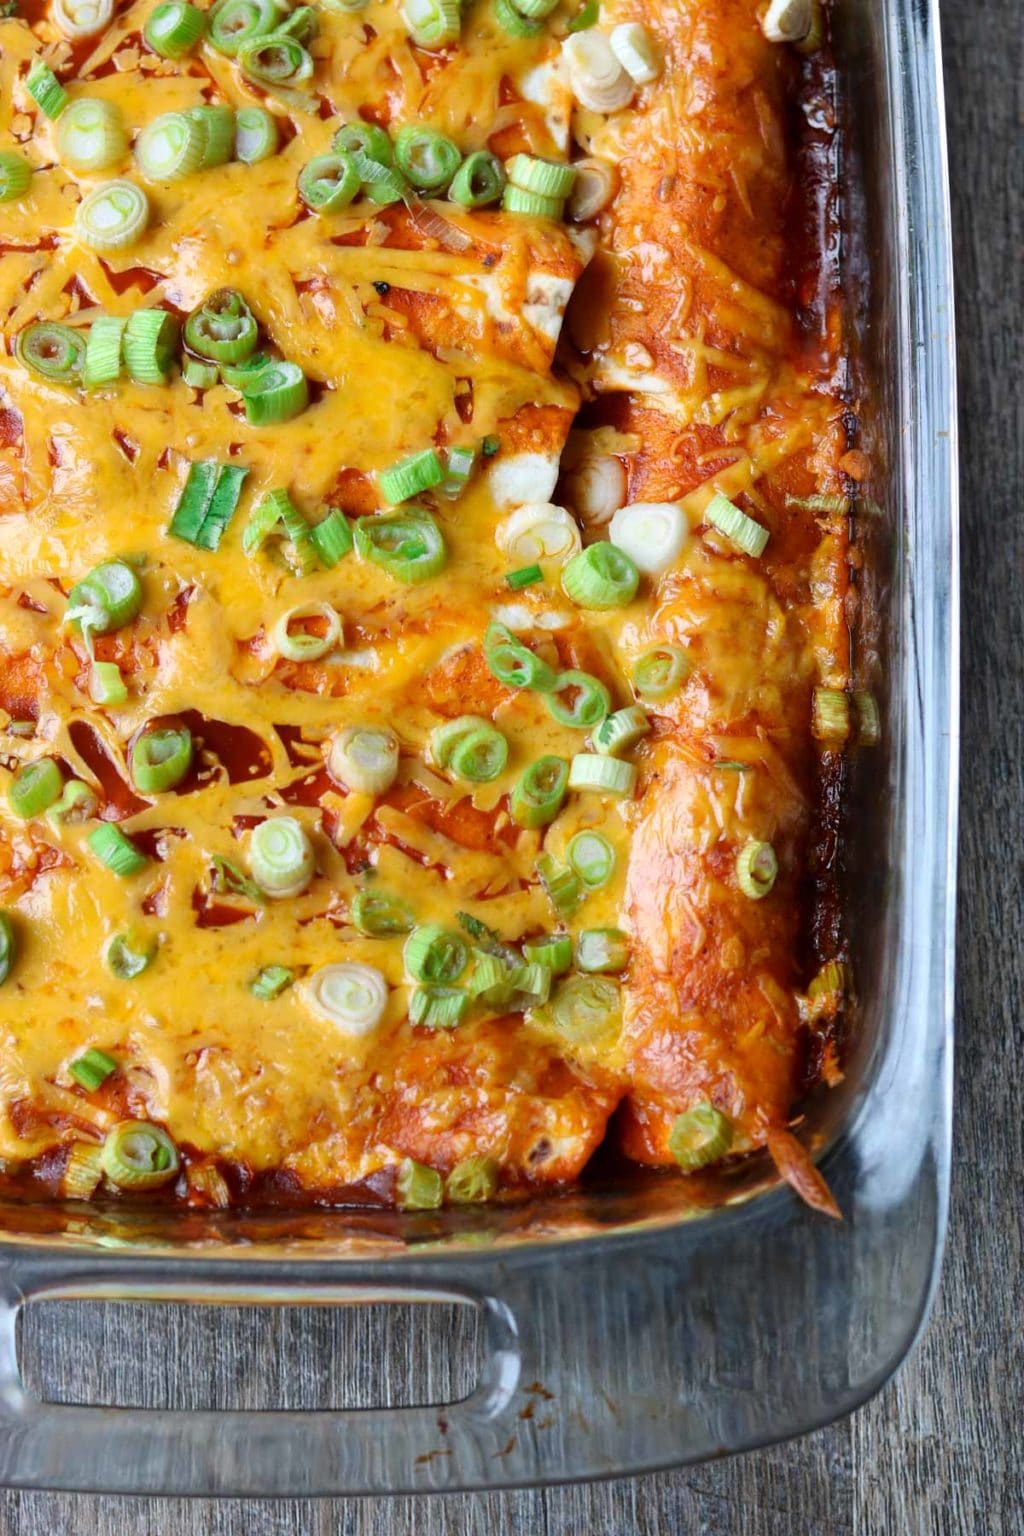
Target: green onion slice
(82, 1171)
(150, 345)
(756, 869)
(108, 598)
(512, 20)
(526, 576)
(137, 1155)
(238, 375)
(300, 645)
(217, 125)
(92, 1069)
(380, 915)
(472, 1181)
(230, 880)
(420, 472)
(170, 147)
(199, 375)
(91, 134)
(222, 329)
(554, 952)
(281, 856)
(8, 947)
(578, 700)
(700, 1136)
(128, 955)
(277, 392)
(270, 981)
(621, 731)
(54, 352)
(351, 996)
(432, 23)
(275, 61)
(77, 19)
(602, 949)
(660, 672)
(562, 886)
(601, 576)
(830, 717)
(435, 954)
(233, 23)
(539, 794)
(77, 803)
(328, 183)
(409, 545)
(513, 663)
(112, 216)
(366, 139)
(586, 1009)
(737, 527)
(586, 17)
(15, 176)
(592, 856)
(608, 775)
(471, 747)
(550, 178)
(35, 787)
(102, 362)
(302, 23)
(174, 28)
(515, 200)
(45, 89)
(427, 159)
(479, 180)
(256, 135)
(161, 758)
(332, 539)
(438, 1007)
(106, 684)
(116, 851)
(364, 758)
(207, 503)
(490, 979)
(459, 464)
(417, 1187)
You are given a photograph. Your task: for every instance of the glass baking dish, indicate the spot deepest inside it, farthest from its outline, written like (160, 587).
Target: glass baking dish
(668, 1320)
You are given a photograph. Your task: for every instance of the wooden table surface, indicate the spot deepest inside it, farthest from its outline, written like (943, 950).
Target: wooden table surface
(939, 1451)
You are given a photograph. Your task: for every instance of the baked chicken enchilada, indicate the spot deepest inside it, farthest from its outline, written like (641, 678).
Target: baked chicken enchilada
(424, 485)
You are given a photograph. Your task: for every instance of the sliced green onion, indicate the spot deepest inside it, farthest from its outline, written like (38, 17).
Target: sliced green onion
(46, 90)
(438, 1007)
(608, 775)
(736, 526)
(526, 576)
(91, 134)
(407, 478)
(276, 393)
(596, 183)
(8, 947)
(233, 23)
(592, 856)
(102, 364)
(602, 949)
(364, 758)
(756, 869)
(427, 159)
(480, 756)
(549, 178)
(223, 328)
(174, 28)
(79, 19)
(15, 175)
(328, 183)
(513, 663)
(489, 978)
(256, 135)
(459, 464)
(281, 857)
(417, 1187)
(137, 1155)
(217, 125)
(444, 738)
(366, 139)
(379, 915)
(82, 1171)
(170, 147)
(652, 533)
(436, 955)
(621, 731)
(106, 684)
(112, 216)
(302, 23)
(531, 986)
(270, 981)
(562, 886)
(479, 180)
(275, 61)
(700, 1136)
(869, 721)
(199, 518)
(515, 200)
(409, 545)
(512, 21)
(601, 576)
(199, 375)
(77, 803)
(554, 952)
(631, 44)
(54, 352)
(150, 345)
(108, 598)
(432, 23)
(351, 996)
(278, 513)
(660, 672)
(128, 955)
(578, 700)
(538, 795)
(382, 184)
(538, 9)
(332, 539)
(116, 851)
(160, 759)
(238, 375)
(472, 1181)
(301, 645)
(229, 879)
(586, 1009)
(830, 715)
(35, 787)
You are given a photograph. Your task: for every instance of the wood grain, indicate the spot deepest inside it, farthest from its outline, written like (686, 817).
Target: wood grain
(938, 1452)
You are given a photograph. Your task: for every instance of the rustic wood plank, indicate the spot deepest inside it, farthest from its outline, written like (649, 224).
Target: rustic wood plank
(937, 1453)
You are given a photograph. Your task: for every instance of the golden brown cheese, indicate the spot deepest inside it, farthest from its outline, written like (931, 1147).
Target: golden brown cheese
(683, 339)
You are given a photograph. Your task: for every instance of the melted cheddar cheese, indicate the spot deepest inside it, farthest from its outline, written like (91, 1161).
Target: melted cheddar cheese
(689, 355)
